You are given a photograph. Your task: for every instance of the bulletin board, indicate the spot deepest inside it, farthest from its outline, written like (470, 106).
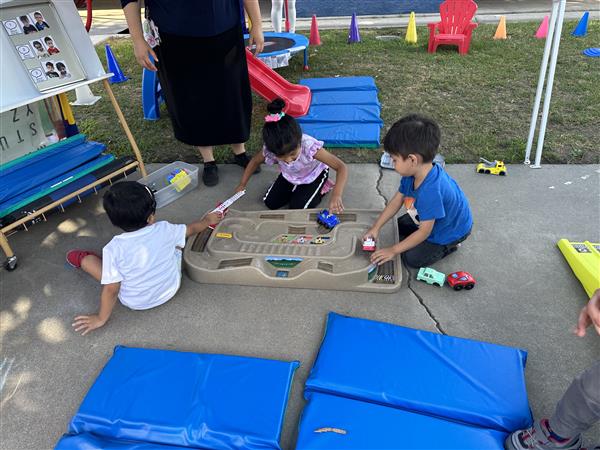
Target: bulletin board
(38, 36)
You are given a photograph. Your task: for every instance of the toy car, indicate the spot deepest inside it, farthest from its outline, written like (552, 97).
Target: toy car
(318, 240)
(431, 276)
(369, 244)
(494, 168)
(327, 219)
(459, 280)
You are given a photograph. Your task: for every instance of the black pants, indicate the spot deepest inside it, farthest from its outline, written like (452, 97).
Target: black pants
(301, 196)
(426, 252)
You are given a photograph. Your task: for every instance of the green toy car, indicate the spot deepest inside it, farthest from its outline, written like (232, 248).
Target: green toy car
(431, 276)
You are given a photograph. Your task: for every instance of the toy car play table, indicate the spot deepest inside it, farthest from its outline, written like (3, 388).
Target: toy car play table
(287, 248)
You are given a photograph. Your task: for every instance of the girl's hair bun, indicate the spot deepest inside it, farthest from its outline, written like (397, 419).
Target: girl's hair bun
(276, 106)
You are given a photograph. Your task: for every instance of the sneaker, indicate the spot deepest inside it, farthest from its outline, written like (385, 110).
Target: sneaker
(242, 160)
(210, 175)
(74, 257)
(540, 437)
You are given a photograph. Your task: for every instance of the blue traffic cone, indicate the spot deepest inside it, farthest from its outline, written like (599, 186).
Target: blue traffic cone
(353, 33)
(113, 66)
(581, 28)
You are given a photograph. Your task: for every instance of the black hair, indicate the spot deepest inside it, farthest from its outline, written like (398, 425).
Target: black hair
(59, 65)
(285, 135)
(38, 43)
(49, 64)
(24, 18)
(129, 204)
(38, 13)
(413, 134)
(48, 38)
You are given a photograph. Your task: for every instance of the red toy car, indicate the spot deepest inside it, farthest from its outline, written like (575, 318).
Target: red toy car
(459, 280)
(369, 244)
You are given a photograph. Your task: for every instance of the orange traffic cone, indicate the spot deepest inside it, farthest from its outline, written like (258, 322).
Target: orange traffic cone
(315, 39)
(501, 30)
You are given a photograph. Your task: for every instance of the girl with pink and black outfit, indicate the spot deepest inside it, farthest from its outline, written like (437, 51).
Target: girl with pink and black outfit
(303, 163)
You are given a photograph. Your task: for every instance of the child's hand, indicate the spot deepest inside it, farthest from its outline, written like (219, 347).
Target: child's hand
(373, 233)
(590, 315)
(335, 204)
(382, 256)
(240, 188)
(213, 218)
(85, 324)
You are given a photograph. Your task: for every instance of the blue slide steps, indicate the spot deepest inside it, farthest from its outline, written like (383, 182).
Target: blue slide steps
(427, 385)
(344, 112)
(154, 399)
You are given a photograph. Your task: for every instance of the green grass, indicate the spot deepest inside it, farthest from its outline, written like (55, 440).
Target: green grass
(483, 101)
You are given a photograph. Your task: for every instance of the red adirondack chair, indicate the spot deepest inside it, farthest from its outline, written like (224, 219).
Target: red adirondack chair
(455, 28)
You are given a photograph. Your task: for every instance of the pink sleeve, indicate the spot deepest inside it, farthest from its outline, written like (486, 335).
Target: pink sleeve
(310, 145)
(269, 157)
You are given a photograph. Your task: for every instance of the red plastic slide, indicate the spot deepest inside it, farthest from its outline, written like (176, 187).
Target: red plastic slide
(270, 85)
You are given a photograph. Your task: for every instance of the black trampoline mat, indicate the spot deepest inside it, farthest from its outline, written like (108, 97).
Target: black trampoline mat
(276, 44)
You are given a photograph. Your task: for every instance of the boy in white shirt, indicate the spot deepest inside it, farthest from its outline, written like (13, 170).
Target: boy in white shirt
(141, 267)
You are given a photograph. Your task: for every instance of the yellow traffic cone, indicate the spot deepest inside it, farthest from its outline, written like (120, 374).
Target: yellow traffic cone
(411, 31)
(501, 30)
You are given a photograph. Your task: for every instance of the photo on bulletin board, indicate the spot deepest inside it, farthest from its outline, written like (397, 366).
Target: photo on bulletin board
(50, 69)
(39, 21)
(42, 45)
(51, 47)
(26, 24)
(25, 51)
(39, 48)
(63, 70)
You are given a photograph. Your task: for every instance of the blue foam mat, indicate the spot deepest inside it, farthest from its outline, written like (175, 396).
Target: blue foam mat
(193, 400)
(49, 185)
(459, 379)
(334, 113)
(344, 98)
(42, 153)
(371, 426)
(344, 134)
(340, 84)
(86, 441)
(33, 172)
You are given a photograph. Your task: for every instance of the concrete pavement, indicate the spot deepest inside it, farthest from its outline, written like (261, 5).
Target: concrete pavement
(526, 296)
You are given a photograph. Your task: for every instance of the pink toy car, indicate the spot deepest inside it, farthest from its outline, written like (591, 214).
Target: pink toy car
(369, 244)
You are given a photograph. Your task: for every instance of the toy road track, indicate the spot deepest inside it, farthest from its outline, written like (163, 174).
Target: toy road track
(287, 248)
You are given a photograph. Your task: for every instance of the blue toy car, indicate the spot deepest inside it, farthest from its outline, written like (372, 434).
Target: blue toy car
(327, 219)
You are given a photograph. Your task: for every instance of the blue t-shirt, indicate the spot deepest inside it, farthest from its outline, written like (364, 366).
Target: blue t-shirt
(199, 18)
(439, 197)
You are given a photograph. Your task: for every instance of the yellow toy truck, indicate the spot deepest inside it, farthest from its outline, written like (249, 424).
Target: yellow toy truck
(491, 167)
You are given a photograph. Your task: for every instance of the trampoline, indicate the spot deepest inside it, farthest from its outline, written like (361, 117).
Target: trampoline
(280, 47)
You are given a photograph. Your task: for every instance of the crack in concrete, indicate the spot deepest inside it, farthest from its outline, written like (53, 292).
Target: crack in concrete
(378, 187)
(436, 322)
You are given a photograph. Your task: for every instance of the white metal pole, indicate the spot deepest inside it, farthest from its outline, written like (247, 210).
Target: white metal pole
(549, 84)
(541, 79)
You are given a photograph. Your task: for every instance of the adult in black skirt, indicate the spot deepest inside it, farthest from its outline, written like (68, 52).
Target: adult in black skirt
(201, 63)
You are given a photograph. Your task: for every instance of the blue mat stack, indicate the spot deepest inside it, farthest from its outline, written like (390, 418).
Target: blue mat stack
(149, 399)
(344, 112)
(46, 175)
(379, 386)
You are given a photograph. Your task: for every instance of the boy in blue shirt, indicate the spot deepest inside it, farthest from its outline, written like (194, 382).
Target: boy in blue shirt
(438, 216)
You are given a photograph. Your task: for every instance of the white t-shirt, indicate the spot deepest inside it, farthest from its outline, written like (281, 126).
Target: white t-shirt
(146, 262)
